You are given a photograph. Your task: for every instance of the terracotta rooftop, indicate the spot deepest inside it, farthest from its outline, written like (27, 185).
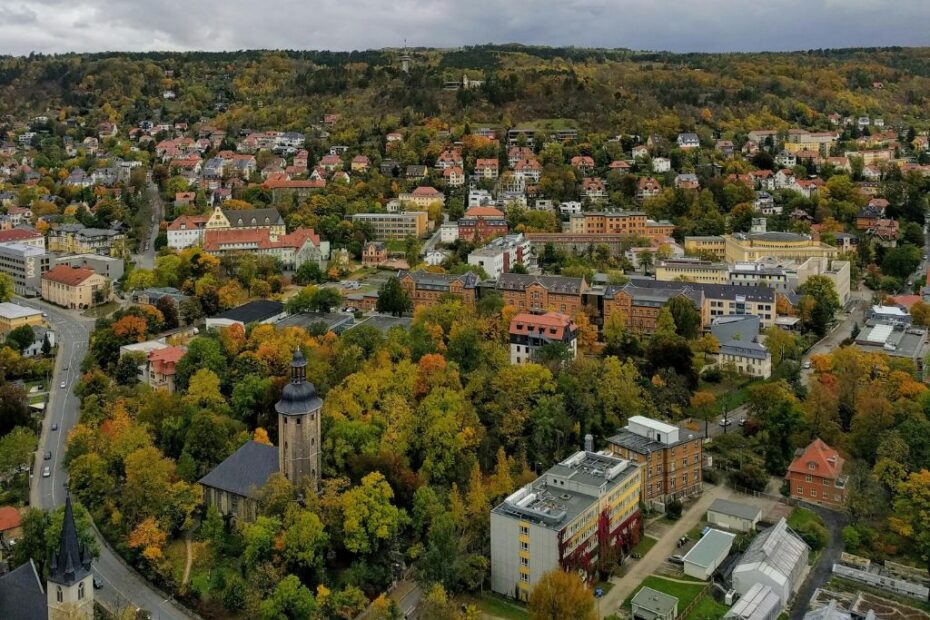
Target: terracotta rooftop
(484, 212)
(827, 463)
(67, 275)
(18, 234)
(9, 518)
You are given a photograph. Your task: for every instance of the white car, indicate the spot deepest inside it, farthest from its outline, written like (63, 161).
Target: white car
(46, 471)
(63, 384)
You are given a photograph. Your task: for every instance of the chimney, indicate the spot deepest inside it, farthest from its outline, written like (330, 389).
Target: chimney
(589, 443)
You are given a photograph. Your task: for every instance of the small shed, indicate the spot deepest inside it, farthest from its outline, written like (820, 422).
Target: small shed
(733, 516)
(704, 557)
(649, 604)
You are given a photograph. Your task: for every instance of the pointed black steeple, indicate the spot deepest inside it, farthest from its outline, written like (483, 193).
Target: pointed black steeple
(70, 564)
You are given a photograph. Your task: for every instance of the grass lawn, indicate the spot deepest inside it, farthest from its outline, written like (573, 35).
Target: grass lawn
(606, 586)
(101, 311)
(800, 517)
(644, 545)
(684, 592)
(498, 606)
(395, 245)
(707, 609)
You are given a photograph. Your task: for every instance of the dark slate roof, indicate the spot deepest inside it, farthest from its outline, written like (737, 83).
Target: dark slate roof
(258, 310)
(716, 291)
(71, 563)
(21, 594)
(245, 471)
(439, 281)
(553, 284)
(299, 396)
(655, 296)
(745, 349)
(253, 217)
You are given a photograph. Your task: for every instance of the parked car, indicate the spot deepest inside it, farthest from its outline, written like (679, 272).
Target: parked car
(47, 456)
(97, 583)
(725, 422)
(46, 471)
(63, 384)
(676, 559)
(54, 427)
(806, 365)
(742, 422)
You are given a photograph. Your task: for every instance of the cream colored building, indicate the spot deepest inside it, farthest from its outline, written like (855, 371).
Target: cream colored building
(395, 225)
(743, 247)
(692, 270)
(74, 287)
(713, 245)
(14, 315)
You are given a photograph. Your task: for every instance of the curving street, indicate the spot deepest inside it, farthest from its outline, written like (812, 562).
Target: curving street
(123, 587)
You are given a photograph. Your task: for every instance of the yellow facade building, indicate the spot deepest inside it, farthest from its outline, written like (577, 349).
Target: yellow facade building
(14, 315)
(74, 287)
(581, 515)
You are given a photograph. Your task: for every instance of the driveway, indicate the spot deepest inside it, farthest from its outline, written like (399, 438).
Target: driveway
(820, 573)
(666, 546)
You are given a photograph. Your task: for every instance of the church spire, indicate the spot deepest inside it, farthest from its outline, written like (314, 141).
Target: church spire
(70, 563)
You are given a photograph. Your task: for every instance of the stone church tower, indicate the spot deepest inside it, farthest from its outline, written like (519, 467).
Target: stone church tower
(299, 426)
(70, 586)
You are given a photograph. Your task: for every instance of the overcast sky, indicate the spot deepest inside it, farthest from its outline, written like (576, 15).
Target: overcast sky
(676, 25)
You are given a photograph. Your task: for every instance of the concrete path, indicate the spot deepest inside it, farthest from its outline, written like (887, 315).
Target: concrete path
(650, 563)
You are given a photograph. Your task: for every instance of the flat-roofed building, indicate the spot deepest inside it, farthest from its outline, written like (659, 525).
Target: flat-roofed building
(733, 516)
(581, 515)
(395, 225)
(743, 247)
(670, 458)
(501, 254)
(25, 264)
(14, 315)
(692, 270)
(703, 559)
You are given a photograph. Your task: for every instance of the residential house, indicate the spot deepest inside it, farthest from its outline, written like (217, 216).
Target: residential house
(530, 332)
(423, 197)
(583, 163)
(487, 168)
(648, 187)
(374, 253)
(688, 141)
(661, 164)
(816, 475)
(453, 177)
(161, 367)
(687, 181)
(293, 249)
(360, 163)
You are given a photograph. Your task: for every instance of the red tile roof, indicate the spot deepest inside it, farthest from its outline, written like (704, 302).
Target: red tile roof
(189, 222)
(18, 234)
(827, 463)
(164, 360)
(484, 212)
(68, 275)
(426, 191)
(526, 323)
(258, 238)
(9, 518)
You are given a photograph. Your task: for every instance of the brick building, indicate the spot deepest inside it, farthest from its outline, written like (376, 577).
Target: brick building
(427, 289)
(816, 475)
(542, 293)
(670, 458)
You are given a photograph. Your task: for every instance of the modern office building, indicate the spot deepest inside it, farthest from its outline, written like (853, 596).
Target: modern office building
(25, 264)
(395, 225)
(580, 515)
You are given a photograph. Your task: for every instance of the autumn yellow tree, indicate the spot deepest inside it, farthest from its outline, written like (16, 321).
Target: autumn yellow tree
(559, 595)
(149, 537)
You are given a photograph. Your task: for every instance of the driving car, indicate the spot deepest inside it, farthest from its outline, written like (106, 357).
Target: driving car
(46, 471)
(47, 456)
(806, 365)
(725, 422)
(54, 427)
(97, 583)
(63, 384)
(742, 422)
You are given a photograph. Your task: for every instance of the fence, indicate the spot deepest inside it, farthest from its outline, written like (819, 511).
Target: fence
(683, 613)
(898, 586)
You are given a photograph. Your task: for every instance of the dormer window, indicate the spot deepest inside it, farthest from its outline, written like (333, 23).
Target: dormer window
(812, 466)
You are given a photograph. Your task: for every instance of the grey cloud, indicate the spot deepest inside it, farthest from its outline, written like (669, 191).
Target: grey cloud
(676, 25)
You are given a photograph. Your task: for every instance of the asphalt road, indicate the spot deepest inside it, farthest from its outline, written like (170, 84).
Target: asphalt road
(821, 571)
(145, 259)
(123, 587)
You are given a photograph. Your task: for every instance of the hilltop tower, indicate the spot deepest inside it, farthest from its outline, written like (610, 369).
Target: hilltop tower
(405, 59)
(70, 586)
(299, 426)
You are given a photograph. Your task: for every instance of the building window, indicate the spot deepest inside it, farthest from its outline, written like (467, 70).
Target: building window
(524, 530)
(807, 478)
(800, 490)
(524, 546)
(813, 492)
(59, 595)
(524, 577)
(81, 591)
(524, 562)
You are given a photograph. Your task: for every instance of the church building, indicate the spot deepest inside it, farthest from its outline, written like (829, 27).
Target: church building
(233, 486)
(69, 591)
